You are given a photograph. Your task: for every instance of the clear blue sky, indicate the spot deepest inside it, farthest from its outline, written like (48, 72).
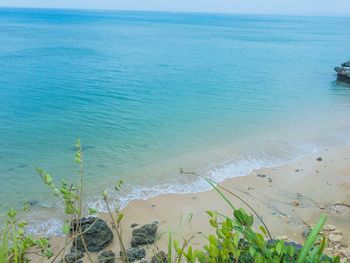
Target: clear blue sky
(302, 7)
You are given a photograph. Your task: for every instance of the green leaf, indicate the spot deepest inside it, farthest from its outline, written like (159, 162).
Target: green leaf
(263, 230)
(250, 220)
(92, 211)
(66, 228)
(11, 213)
(120, 217)
(279, 247)
(239, 216)
(68, 210)
(105, 194)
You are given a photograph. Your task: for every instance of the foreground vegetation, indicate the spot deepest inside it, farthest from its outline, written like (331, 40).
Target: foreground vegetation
(235, 239)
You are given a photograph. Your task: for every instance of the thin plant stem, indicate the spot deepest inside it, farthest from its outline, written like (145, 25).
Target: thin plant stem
(119, 234)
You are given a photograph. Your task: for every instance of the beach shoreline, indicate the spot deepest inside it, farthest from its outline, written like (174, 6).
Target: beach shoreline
(290, 198)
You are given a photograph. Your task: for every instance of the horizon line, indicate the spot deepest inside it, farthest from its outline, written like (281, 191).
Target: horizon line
(180, 12)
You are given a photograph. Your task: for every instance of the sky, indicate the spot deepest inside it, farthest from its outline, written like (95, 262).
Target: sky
(289, 7)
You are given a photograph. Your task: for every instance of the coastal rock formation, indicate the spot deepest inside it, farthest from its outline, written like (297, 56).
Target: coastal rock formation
(144, 235)
(106, 257)
(135, 253)
(346, 64)
(160, 257)
(96, 233)
(343, 72)
(73, 256)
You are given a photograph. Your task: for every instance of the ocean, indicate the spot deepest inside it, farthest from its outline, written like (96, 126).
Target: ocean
(149, 93)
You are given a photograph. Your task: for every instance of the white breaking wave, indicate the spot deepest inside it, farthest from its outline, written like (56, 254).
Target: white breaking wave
(45, 225)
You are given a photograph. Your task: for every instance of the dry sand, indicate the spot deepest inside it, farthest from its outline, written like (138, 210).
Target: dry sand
(289, 198)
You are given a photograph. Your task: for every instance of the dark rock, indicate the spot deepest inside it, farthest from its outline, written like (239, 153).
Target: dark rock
(261, 175)
(144, 235)
(96, 233)
(135, 253)
(306, 232)
(33, 202)
(160, 257)
(73, 257)
(319, 159)
(134, 225)
(106, 257)
(346, 64)
(343, 72)
(269, 180)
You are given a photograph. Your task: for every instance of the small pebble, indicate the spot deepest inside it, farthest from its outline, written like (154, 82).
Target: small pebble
(319, 159)
(329, 228)
(295, 203)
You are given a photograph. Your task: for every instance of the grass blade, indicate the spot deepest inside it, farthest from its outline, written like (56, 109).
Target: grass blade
(311, 239)
(220, 193)
(169, 248)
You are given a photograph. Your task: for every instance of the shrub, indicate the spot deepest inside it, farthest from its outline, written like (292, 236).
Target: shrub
(236, 241)
(15, 244)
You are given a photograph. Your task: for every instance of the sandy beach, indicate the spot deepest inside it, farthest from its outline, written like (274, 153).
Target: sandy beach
(290, 198)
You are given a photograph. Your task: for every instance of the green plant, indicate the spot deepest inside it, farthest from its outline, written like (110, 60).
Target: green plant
(15, 244)
(116, 219)
(235, 240)
(72, 197)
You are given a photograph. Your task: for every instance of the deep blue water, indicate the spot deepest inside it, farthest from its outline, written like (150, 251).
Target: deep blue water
(150, 92)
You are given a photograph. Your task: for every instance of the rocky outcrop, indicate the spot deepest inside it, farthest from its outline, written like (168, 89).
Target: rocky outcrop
(106, 257)
(73, 256)
(96, 233)
(144, 235)
(343, 72)
(346, 64)
(135, 253)
(160, 257)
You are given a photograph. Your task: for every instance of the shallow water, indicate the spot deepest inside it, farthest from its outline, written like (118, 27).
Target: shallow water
(150, 92)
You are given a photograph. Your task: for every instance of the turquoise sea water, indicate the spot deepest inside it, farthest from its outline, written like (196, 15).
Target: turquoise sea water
(149, 93)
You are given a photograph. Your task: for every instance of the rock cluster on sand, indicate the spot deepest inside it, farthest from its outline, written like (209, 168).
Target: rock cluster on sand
(97, 236)
(73, 256)
(144, 235)
(135, 253)
(343, 72)
(96, 233)
(106, 257)
(160, 257)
